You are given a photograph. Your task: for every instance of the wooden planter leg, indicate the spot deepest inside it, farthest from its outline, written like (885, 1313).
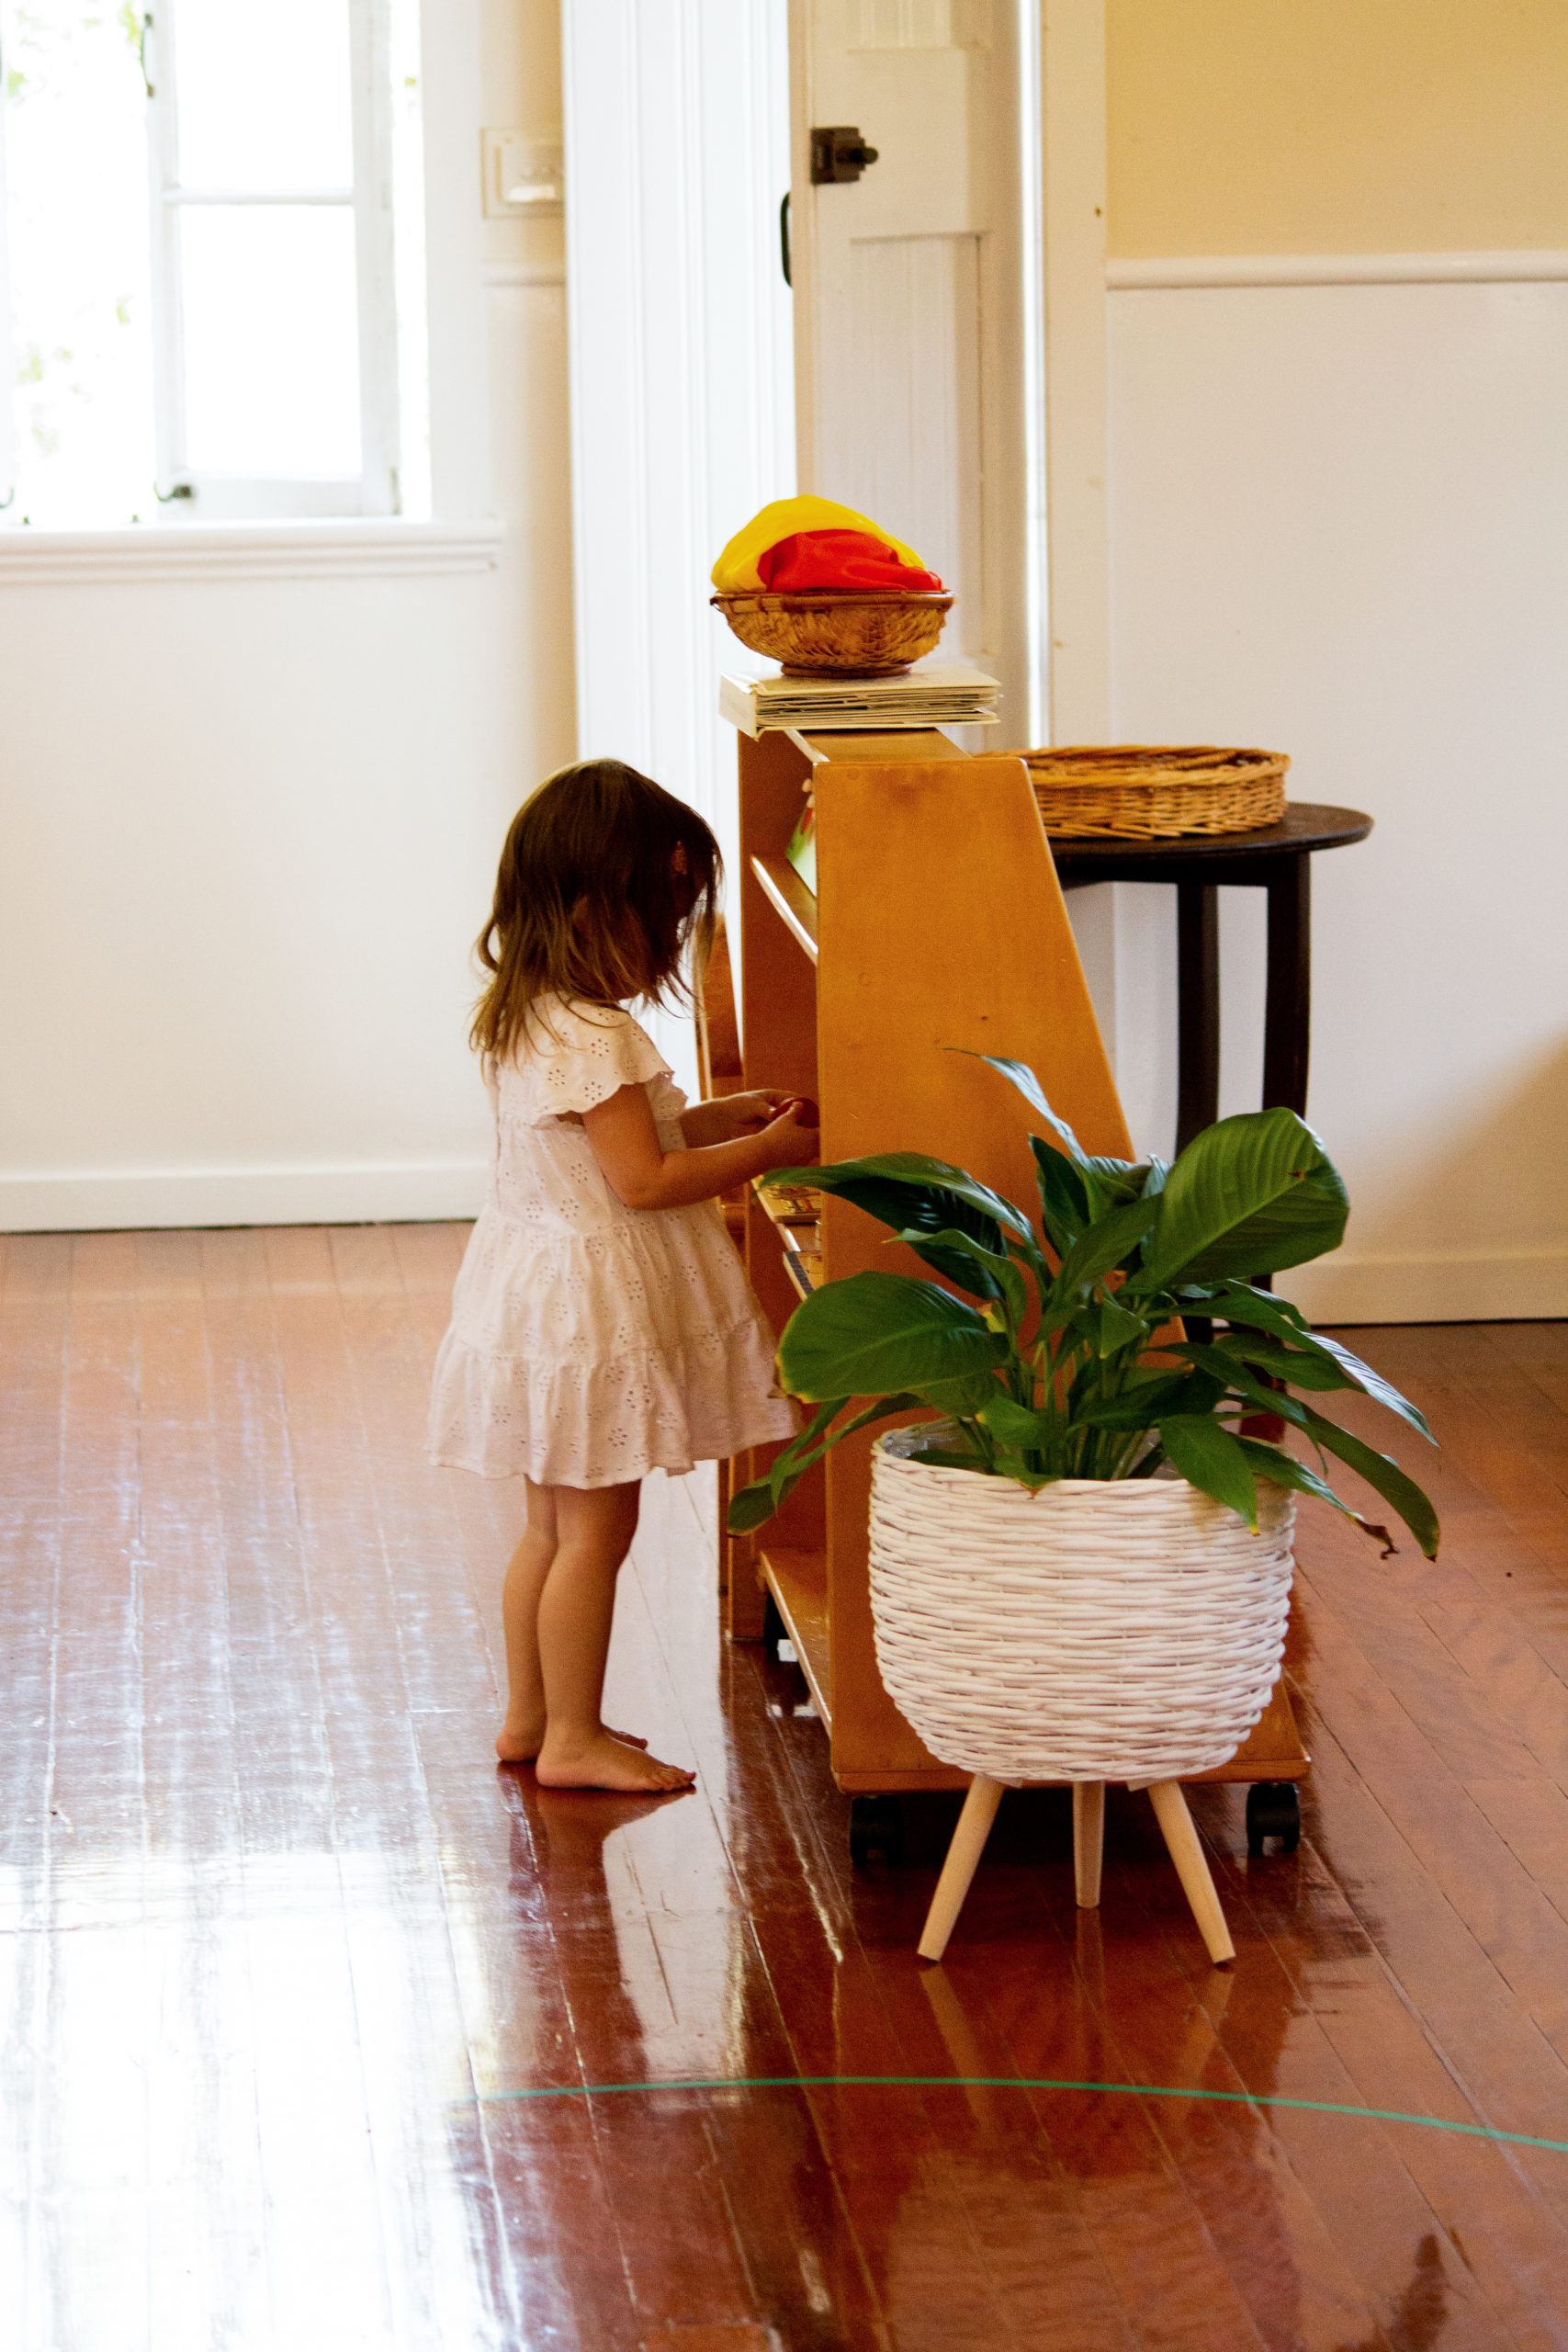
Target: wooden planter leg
(962, 1861)
(1089, 1840)
(1175, 1827)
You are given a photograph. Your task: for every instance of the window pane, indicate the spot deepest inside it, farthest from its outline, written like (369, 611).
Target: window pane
(263, 94)
(76, 173)
(272, 374)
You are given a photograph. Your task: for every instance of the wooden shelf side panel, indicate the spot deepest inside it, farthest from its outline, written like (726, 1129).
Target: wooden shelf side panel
(941, 926)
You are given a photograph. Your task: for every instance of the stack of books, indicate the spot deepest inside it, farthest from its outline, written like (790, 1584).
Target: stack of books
(929, 695)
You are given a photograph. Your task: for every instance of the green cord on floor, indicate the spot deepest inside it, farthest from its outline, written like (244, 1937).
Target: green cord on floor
(1016, 2082)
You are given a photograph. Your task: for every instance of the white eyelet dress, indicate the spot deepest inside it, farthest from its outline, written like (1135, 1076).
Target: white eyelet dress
(590, 1342)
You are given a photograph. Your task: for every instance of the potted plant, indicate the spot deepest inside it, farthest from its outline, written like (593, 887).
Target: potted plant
(1081, 1569)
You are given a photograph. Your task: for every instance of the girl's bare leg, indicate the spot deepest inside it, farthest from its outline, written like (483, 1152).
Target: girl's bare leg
(522, 1734)
(593, 1531)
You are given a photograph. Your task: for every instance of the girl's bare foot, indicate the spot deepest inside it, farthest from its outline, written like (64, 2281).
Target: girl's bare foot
(522, 1746)
(604, 1762)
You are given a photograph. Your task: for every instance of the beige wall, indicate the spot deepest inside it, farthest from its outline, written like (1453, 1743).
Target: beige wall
(1337, 126)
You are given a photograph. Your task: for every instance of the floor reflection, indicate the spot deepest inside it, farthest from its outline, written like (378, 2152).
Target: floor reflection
(1417, 2319)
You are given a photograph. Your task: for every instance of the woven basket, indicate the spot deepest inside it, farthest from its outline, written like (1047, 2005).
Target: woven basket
(1153, 791)
(864, 632)
(1125, 1630)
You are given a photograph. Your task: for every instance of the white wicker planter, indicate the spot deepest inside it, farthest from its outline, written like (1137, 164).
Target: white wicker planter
(1096, 1631)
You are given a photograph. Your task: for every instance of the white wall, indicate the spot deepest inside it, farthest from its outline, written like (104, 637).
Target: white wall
(1339, 528)
(248, 825)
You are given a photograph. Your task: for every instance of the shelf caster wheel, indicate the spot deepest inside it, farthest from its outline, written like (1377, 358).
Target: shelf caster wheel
(1273, 1810)
(876, 1826)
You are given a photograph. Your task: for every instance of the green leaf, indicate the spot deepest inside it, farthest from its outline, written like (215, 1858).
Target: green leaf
(908, 1188)
(1118, 1328)
(1372, 1384)
(1240, 1303)
(1064, 1203)
(1111, 1182)
(982, 1273)
(963, 1399)
(872, 1333)
(1213, 1461)
(1013, 1466)
(1268, 1462)
(749, 1507)
(1383, 1474)
(759, 1501)
(1303, 1366)
(1141, 1403)
(1247, 1196)
(1018, 1428)
(1109, 1240)
(1232, 1374)
(1033, 1093)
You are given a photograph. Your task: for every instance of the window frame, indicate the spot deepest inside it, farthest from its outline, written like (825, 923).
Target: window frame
(250, 498)
(8, 352)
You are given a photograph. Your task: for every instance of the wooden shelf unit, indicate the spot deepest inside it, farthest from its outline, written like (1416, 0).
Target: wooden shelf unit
(938, 924)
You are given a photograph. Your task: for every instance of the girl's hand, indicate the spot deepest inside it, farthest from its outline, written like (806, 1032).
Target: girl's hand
(625, 1141)
(744, 1115)
(790, 1143)
(727, 1117)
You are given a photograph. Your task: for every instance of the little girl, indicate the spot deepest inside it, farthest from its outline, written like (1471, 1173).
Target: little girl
(601, 1325)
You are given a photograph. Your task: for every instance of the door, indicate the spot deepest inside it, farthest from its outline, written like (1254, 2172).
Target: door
(909, 297)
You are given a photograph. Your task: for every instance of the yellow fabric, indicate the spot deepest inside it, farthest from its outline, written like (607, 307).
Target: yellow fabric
(737, 567)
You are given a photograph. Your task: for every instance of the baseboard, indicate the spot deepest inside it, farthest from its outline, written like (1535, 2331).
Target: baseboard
(135, 1200)
(1454, 1287)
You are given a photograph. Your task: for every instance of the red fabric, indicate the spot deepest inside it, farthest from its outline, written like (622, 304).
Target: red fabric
(837, 559)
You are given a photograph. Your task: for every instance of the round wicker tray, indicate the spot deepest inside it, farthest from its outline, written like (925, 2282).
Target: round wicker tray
(1155, 791)
(1093, 1632)
(859, 632)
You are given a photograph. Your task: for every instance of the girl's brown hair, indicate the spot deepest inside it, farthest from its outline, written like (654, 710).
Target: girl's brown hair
(605, 880)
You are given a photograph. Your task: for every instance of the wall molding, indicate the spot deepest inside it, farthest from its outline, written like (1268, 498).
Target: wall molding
(1443, 1286)
(1183, 270)
(138, 1199)
(344, 549)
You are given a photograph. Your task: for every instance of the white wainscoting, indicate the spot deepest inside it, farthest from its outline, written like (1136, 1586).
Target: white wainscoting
(1340, 527)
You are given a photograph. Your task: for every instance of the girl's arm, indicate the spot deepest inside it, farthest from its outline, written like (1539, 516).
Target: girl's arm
(728, 1116)
(645, 1176)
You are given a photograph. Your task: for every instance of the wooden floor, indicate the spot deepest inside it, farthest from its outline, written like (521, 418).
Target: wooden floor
(285, 1958)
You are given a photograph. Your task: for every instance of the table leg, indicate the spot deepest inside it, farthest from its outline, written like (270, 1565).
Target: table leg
(1287, 1020)
(1198, 1007)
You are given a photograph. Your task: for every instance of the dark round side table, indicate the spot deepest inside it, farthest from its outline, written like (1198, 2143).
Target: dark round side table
(1277, 859)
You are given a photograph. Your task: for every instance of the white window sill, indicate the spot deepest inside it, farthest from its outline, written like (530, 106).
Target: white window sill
(360, 548)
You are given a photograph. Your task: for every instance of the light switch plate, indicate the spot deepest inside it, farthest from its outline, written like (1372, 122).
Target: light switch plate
(522, 177)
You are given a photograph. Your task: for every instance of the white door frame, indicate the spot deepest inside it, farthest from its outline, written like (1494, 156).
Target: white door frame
(1073, 201)
(1070, 460)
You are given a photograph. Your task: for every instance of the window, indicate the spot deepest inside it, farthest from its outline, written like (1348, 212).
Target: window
(210, 213)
